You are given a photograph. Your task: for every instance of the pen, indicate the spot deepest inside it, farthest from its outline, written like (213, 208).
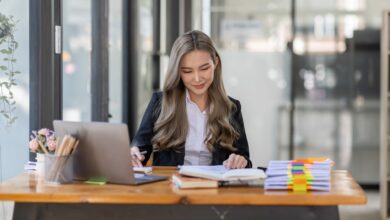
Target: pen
(262, 168)
(142, 153)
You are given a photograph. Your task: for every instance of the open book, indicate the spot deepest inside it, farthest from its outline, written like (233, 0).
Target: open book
(221, 173)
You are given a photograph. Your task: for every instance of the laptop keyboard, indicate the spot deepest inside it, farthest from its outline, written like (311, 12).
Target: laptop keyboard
(139, 175)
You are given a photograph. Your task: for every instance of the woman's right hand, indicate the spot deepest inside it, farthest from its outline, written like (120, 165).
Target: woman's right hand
(137, 157)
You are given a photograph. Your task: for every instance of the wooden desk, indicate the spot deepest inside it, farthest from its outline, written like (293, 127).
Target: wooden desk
(38, 200)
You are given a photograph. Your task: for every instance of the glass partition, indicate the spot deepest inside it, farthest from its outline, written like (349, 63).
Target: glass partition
(337, 71)
(115, 60)
(252, 40)
(145, 38)
(77, 45)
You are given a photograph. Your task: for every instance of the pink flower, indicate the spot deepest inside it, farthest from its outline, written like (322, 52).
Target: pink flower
(33, 145)
(44, 131)
(43, 141)
(52, 144)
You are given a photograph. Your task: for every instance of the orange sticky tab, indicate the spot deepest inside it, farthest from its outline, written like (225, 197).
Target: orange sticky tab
(311, 160)
(300, 181)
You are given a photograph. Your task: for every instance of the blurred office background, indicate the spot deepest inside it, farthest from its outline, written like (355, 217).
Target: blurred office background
(306, 72)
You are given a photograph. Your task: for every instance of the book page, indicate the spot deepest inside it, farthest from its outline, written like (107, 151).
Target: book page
(248, 173)
(221, 173)
(211, 172)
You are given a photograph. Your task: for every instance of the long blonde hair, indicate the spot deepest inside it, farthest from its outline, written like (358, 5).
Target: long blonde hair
(171, 126)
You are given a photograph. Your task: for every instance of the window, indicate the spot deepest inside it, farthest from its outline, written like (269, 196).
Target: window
(14, 138)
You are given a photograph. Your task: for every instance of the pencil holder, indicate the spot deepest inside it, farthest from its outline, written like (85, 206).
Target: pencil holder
(58, 169)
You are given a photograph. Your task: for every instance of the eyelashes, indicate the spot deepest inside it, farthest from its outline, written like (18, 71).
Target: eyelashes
(203, 69)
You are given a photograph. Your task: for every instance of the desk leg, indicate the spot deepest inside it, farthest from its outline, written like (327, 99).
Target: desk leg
(47, 211)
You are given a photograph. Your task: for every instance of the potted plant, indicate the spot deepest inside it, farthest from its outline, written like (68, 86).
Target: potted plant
(8, 46)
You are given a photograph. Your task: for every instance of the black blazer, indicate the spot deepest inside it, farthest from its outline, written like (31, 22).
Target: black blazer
(144, 135)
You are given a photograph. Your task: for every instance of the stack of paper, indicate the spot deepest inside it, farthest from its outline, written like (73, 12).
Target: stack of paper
(30, 165)
(299, 175)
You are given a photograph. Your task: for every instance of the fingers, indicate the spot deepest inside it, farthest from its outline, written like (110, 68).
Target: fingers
(136, 162)
(137, 157)
(242, 163)
(235, 162)
(225, 164)
(135, 152)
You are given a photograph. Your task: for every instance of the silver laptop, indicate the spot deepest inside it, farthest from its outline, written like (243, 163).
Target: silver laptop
(103, 152)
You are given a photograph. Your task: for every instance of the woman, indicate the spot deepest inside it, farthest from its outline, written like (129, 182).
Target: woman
(192, 121)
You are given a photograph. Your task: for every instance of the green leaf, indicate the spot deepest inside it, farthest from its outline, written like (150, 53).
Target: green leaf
(3, 68)
(5, 51)
(12, 120)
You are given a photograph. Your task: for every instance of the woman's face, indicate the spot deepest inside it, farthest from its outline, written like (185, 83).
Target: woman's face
(197, 72)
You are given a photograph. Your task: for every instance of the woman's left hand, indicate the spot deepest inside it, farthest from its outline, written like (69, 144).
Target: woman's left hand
(235, 161)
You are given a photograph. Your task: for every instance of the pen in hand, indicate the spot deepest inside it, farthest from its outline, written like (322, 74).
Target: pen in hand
(143, 152)
(137, 158)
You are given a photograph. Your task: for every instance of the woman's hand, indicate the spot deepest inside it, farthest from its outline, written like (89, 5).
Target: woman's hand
(235, 161)
(137, 157)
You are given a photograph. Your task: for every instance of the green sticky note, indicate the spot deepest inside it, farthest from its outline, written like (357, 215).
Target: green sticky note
(96, 181)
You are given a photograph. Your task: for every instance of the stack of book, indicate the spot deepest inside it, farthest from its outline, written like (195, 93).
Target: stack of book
(187, 182)
(299, 175)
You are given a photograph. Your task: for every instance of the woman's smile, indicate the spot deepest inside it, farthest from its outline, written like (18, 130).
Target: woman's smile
(200, 86)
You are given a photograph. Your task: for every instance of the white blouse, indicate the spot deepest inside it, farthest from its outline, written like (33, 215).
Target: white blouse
(196, 152)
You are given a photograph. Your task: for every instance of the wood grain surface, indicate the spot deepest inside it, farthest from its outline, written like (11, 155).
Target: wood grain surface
(27, 187)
